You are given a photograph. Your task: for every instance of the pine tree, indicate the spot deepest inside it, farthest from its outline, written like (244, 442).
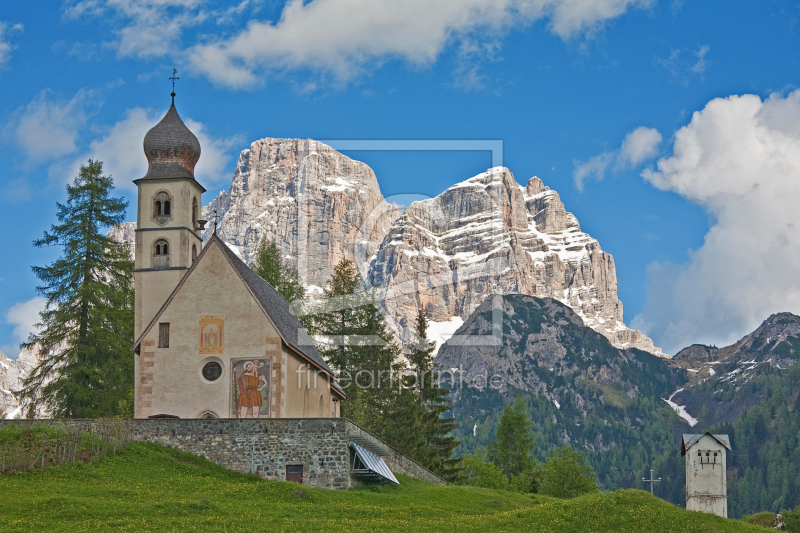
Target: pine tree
(355, 342)
(86, 338)
(512, 451)
(434, 403)
(268, 264)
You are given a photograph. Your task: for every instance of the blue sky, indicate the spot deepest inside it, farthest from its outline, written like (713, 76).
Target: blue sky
(671, 129)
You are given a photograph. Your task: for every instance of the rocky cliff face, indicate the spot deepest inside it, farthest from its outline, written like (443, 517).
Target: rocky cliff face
(318, 205)
(124, 232)
(490, 235)
(12, 374)
(483, 236)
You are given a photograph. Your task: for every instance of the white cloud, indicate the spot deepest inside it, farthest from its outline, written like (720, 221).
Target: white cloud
(49, 127)
(739, 158)
(637, 147)
(23, 316)
(683, 63)
(337, 38)
(7, 29)
(153, 27)
(341, 37)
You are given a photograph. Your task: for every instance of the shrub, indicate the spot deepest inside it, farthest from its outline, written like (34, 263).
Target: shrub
(566, 474)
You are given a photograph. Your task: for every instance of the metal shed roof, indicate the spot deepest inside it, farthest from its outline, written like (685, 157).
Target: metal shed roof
(370, 465)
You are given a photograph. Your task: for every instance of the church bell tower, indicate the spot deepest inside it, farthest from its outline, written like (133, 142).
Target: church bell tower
(168, 228)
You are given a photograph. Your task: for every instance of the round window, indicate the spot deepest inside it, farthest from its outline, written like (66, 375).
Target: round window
(212, 371)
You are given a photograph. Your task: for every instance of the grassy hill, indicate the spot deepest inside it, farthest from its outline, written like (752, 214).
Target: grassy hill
(150, 488)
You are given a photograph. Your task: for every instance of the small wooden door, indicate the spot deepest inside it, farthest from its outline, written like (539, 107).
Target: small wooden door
(294, 473)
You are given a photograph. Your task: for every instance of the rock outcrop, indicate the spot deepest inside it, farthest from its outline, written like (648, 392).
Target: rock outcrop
(126, 233)
(490, 235)
(316, 204)
(12, 374)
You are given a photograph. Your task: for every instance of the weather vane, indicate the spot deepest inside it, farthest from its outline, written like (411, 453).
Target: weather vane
(173, 78)
(215, 221)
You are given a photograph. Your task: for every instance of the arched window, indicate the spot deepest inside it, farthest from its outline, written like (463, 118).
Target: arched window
(194, 213)
(161, 254)
(194, 252)
(321, 410)
(162, 207)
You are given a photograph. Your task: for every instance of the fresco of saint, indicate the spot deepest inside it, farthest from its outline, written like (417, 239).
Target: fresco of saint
(251, 388)
(211, 334)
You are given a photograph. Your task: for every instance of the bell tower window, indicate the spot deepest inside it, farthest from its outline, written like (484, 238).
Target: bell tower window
(194, 213)
(161, 254)
(162, 208)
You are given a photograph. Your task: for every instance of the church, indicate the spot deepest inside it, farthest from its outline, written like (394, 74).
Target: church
(213, 339)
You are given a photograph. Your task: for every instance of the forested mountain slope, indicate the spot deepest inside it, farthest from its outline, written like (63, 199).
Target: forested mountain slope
(610, 402)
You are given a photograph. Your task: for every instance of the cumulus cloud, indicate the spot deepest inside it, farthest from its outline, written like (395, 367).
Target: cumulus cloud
(63, 124)
(59, 121)
(637, 147)
(6, 46)
(338, 38)
(739, 158)
(23, 316)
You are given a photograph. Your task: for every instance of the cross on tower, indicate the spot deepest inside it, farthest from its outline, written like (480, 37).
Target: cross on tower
(173, 78)
(651, 480)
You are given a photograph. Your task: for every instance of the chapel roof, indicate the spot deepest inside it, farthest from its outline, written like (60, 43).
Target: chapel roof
(273, 304)
(172, 150)
(690, 439)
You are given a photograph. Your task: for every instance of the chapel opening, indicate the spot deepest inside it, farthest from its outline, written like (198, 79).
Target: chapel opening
(161, 254)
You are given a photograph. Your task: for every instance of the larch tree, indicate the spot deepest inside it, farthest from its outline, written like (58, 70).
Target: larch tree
(269, 265)
(85, 336)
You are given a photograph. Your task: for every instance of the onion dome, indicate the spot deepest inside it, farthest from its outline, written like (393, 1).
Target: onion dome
(172, 150)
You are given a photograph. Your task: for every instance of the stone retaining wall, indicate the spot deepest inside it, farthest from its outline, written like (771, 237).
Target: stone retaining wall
(266, 446)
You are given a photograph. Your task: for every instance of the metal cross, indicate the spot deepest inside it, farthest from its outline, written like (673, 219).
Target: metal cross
(215, 221)
(651, 480)
(173, 78)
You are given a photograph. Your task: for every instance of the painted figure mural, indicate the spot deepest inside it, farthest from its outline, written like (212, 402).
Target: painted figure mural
(250, 388)
(211, 334)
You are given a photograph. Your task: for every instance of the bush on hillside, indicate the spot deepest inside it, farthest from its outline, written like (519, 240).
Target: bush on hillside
(566, 474)
(480, 473)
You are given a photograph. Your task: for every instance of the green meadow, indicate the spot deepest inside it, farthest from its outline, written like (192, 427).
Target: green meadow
(146, 487)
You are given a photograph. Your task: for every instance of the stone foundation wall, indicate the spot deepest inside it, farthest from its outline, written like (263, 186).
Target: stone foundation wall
(266, 446)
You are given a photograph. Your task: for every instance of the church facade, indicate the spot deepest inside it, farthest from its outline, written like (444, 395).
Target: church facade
(213, 339)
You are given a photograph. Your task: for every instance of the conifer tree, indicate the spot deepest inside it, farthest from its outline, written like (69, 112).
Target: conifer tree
(354, 341)
(512, 451)
(434, 403)
(86, 330)
(269, 265)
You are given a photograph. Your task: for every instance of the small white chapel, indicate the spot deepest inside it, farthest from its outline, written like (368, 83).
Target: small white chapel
(213, 339)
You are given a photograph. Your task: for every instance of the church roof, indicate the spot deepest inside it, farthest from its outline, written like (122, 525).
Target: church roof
(690, 439)
(172, 150)
(272, 303)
